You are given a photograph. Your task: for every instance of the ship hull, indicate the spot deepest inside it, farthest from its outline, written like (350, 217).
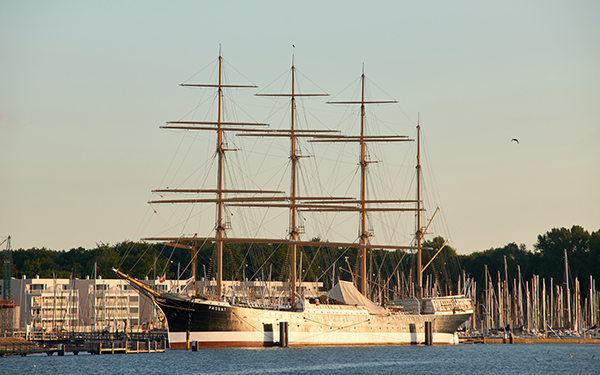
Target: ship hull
(219, 324)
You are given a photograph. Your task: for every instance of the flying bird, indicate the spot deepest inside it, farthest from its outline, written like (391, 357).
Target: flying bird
(514, 140)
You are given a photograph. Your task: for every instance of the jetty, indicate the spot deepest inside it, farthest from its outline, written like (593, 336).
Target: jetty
(90, 342)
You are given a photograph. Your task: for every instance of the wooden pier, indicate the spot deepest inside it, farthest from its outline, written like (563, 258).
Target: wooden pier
(77, 342)
(10, 346)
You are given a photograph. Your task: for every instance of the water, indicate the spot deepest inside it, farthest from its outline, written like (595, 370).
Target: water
(457, 359)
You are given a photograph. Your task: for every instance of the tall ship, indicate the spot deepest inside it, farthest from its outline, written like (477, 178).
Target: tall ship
(344, 315)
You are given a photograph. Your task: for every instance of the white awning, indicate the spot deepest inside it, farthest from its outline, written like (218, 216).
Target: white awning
(346, 293)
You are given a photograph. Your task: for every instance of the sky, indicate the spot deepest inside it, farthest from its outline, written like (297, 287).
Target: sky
(84, 87)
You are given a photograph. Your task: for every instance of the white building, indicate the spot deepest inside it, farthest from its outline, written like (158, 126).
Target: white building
(46, 304)
(83, 305)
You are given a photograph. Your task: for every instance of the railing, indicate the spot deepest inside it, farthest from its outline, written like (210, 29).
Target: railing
(20, 348)
(98, 335)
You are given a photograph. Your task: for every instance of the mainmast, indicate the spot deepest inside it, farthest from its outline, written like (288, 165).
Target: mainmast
(363, 139)
(294, 159)
(364, 234)
(294, 191)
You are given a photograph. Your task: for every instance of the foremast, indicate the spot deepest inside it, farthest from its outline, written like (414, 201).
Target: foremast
(220, 126)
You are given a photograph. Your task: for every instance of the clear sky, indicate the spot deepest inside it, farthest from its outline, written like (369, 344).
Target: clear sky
(84, 86)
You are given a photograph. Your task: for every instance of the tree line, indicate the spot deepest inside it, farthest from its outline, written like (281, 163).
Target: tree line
(270, 262)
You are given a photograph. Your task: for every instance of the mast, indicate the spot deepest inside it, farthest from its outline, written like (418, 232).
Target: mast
(220, 126)
(194, 270)
(419, 233)
(220, 152)
(364, 235)
(487, 300)
(569, 315)
(505, 296)
(7, 259)
(294, 191)
(294, 159)
(95, 294)
(362, 139)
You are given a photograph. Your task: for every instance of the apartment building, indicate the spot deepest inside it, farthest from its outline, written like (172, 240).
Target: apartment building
(85, 304)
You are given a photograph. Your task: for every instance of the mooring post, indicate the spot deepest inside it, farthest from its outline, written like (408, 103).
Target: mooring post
(283, 334)
(428, 333)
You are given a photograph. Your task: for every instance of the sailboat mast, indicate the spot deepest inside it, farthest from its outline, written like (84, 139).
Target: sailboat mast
(294, 192)
(569, 315)
(419, 233)
(364, 235)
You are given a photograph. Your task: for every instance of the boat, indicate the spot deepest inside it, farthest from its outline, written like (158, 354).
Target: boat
(342, 316)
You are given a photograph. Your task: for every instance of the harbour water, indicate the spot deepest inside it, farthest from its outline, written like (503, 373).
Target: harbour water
(458, 359)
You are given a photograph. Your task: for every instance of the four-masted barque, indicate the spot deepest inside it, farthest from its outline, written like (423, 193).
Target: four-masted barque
(342, 316)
